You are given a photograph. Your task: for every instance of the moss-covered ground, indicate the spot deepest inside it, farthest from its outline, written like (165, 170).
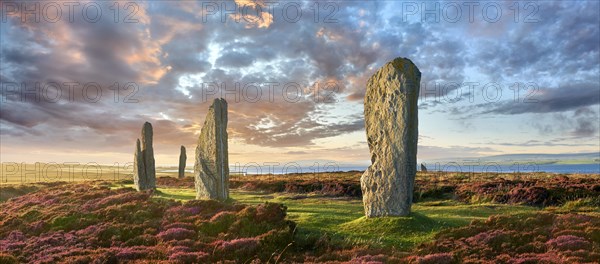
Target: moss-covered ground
(342, 218)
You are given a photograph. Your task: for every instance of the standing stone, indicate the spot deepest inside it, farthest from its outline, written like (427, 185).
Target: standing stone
(211, 167)
(144, 176)
(182, 159)
(391, 122)
(139, 170)
(423, 168)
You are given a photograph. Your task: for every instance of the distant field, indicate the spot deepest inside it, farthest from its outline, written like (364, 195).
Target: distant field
(12, 173)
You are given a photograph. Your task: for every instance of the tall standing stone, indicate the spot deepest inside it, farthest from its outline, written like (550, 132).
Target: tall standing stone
(144, 176)
(391, 122)
(139, 169)
(211, 167)
(182, 159)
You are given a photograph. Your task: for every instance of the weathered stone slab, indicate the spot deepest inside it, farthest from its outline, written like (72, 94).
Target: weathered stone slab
(144, 175)
(139, 169)
(182, 160)
(211, 167)
(391, 122)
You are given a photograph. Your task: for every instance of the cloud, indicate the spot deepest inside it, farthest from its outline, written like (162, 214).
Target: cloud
(235, 59)
(586, 121)
(157, 53)
(561, 142)
(296, 152)
(563, 42)
(171, 49)
(261, 18)
(565, 98)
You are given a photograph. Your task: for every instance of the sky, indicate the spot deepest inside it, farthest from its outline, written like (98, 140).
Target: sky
(79, 80)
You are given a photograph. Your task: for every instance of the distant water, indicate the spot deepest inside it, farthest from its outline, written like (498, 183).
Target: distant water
(253, 170)
(448, 167)
(451, 167)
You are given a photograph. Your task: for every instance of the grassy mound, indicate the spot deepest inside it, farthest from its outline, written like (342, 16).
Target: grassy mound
(415, 222)
(400, 232)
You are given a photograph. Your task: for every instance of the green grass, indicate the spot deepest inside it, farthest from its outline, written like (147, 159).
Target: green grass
(20, 173)
(579, 161)
(585, 206)
(176, 194)
(343, 219)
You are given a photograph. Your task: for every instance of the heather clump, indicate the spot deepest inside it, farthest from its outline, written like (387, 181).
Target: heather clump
(436, 258)
(82, 223)
(534, 192)
(569, 243)
(176, 233)
(530, 238)
(182, 257)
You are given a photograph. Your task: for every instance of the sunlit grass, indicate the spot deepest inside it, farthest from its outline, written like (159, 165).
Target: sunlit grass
(343, 219)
